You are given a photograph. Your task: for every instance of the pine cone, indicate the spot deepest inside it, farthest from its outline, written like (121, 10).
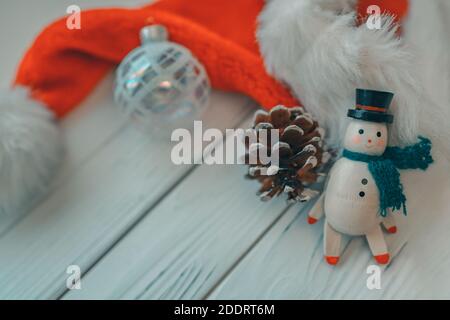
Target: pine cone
(301, 153)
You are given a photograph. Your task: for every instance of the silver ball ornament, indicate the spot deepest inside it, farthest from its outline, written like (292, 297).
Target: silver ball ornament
(161, 84)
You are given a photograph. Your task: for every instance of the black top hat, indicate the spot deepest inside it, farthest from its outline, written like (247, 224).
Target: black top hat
(372, 105)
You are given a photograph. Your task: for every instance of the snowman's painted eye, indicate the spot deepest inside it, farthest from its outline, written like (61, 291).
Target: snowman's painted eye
(378, 134)
(361, 131)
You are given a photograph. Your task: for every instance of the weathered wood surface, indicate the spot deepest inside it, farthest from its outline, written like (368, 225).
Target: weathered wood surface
(142, 228)
(97, 199)
(187, 243)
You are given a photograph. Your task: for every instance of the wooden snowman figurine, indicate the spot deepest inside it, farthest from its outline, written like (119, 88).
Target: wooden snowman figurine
(364, 185)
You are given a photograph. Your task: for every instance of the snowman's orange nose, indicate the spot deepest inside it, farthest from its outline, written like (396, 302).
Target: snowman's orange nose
(369, 141)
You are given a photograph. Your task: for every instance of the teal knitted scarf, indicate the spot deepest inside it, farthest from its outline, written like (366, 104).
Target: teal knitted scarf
(384, 170)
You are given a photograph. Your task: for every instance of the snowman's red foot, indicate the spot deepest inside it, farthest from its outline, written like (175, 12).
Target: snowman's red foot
(392, 229)
(312, 220)
(332, 260)
(382, 258)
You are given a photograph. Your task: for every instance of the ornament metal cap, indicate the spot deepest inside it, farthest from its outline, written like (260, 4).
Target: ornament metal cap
(154, 33)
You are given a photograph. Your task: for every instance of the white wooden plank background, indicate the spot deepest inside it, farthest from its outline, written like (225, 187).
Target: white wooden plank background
(91, 210)
(188, 242)
(109, 181)
(142, 228)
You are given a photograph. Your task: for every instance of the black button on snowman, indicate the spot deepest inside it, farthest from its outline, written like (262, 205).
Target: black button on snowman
(364, 181)
(363, 187)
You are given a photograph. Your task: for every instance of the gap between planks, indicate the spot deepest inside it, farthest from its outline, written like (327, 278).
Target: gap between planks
(250, 104)
(246, 252)
(44, 277)
(159, 265)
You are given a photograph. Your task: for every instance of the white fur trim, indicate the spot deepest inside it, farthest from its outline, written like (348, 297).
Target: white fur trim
(316, 48)
(427, 29)
(30, 149)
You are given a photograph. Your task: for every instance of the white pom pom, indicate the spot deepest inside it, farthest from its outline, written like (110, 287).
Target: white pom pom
(30, 149)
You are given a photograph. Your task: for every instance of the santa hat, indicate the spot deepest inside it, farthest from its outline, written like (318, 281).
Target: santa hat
(324, 49)
(63, 66)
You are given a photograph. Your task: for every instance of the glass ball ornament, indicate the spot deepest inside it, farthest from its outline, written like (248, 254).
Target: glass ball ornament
(160, 84)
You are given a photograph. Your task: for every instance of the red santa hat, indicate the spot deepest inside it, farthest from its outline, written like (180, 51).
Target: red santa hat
(63, 66)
